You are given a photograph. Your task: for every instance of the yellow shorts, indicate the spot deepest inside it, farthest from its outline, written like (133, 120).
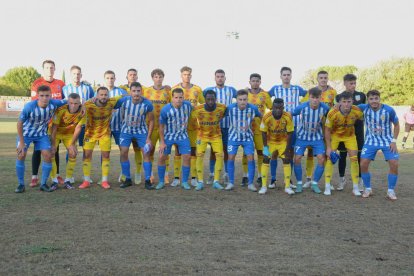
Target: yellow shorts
(279, 147)
(155, 137)
(350, 142)
(65, 139)
(104, 143)
(216, 146)
(258, 141)
(192, 136)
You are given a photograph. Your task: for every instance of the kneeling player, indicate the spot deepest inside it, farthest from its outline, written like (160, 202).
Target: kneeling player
(277, 128)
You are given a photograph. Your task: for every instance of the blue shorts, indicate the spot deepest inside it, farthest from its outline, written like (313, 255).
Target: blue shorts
(116, 135)
(183, 146)
(81, 136)
(225, 137)
(369, 152)
(40, 143)
(125, 139)
(233, 146)
(317, 146)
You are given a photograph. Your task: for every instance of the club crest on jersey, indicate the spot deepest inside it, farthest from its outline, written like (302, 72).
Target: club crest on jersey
(249, 115)
(320, 116)
(383, 117)
(357, 97)
(141, 111)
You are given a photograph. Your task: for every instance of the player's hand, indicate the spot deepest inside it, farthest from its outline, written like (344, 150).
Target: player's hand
(53, 150)
(328, 153)
(20, 149)
(266, 151)
(288, 154)
(393, 147)
(162, 148)
(73, 150)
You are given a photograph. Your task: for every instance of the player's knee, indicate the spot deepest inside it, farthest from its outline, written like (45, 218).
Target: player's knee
(354, 158)
(266, 160)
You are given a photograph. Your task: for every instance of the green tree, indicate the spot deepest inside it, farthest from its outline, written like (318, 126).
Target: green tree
(336, 74)
(7, 89)
(21, 77)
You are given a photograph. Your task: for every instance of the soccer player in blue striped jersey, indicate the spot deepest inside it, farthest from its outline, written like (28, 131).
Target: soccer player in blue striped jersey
(225, 95)
(291, 95)
(241, 115)
(174, 118)
(382, 129)
(32, 127)
(309, 134)
(135, 111)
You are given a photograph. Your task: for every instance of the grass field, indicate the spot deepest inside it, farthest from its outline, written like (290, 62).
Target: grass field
(172, 231)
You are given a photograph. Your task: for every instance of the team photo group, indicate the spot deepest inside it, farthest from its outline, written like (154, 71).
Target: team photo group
(285, 122)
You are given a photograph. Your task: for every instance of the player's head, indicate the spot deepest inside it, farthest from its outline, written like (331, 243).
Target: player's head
(109, 77)
(350, 82)
(345, 101)
(220, 77)
(136, 90)
(255, 81)
(157, 76)
(374, 99)
(76, 74)
(241, 98)
(44, 93)
(74, 102)
(48, 68)
(314, 96)
(186, 74)
(177, 97)
(102, 94)
(132, 76)
(278, 108)
(210, 97)
(285, 75)
(322, 78)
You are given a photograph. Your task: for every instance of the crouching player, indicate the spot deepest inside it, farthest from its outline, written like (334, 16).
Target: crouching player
(309, 134)
(208, 117)
(277, 128)
(134, 111)
(339, 127)
(241, 116)
(379, 119)
(32, 128)
(64, 130)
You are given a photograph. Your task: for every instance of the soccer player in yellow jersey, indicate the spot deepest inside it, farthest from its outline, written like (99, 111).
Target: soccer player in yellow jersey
(64, 130)
(327, 97)
(98, 119)
(339, 127)
(159, 95)
(277, 128)
(194, 94)
(261, 99)
(208, 117)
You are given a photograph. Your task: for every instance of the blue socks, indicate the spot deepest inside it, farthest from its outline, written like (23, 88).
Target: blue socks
(186, 173)
(298, 171)
(230, 168)
(20, 172)
(46, 169)
(273, 168)
(212, 164)
(225, 166)
(148, 170)
(366, 178)
(317, 174)
(126, 169)
(392, 181)
(161, 172)
(251, 169)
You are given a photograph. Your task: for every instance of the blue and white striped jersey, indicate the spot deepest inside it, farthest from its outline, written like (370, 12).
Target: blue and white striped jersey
(241, 121)
(379, 124)
(116, 121)
(83, 90)
(175, 121)
(310, 121)
(225, 96)
(134, 116)
(35, 119)
(290, 96)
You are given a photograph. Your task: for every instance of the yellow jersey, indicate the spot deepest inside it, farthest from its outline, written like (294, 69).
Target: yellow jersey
(262, 101)
(158, 98)
(209, 121)
(277, 130)
(327, 97)
(342, 126)
(66, 122)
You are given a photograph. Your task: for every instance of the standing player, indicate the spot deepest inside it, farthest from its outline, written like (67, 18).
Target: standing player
(56, 93)
(225, 95)
(379, 120)
(32, 127)
(290, 94)
(339, 127)
(97, 130)
(64, 130)
(409, 124)
(241, 116)
(209, 117)
(193, 94)
(358, 98)
(309, 134)
(328, 98)
(277, 128)
(135, 111)
(174, 119)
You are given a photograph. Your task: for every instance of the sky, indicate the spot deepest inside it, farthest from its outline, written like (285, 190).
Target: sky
(167, 34)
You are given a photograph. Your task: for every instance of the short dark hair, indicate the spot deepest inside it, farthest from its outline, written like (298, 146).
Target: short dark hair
(177, 90)
(242, 92)
(109, 72)
(373, 93)
(210, 92)
(75, 67)
(101, 88)
(132, 70)
(316, 92)
(278, 101)
(186, 69)
(284, 68)
(219, 71)
(350, 77)
(344, 95)
(322, 72)
(157, 71)
(74, 96)
(255, 75)
(43, 88)
(135, 84)
(48, 61)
